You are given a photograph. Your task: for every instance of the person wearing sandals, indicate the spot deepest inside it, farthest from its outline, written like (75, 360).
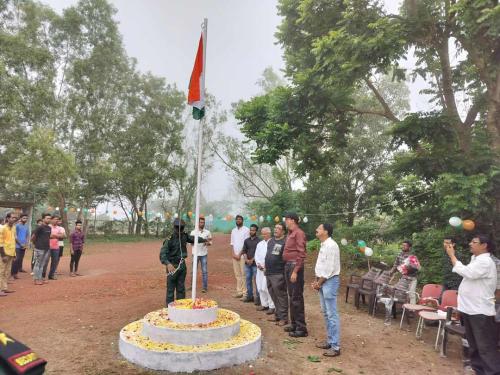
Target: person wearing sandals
(76, 241)
(327, 283)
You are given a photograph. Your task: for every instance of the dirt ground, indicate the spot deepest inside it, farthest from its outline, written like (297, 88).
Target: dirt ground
(74, 322)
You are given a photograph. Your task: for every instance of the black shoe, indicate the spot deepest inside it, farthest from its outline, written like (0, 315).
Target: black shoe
(270, 312)
(289, 329)
(248, 299)
(298, 334)
(257, 302)
(262, 308)
(53, 278)
(332, 353)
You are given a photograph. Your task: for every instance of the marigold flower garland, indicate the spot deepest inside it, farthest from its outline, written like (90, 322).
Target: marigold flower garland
(160, 318)
(249, 332)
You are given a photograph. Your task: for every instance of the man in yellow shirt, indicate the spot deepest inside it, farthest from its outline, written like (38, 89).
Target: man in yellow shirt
(7, 251)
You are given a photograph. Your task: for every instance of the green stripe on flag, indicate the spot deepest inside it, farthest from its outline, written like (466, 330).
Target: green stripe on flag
(198, 113)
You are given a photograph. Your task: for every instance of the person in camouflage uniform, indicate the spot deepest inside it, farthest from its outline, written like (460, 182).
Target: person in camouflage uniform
(173, 255)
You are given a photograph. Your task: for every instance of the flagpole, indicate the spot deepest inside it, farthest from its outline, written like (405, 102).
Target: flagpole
(198, 177)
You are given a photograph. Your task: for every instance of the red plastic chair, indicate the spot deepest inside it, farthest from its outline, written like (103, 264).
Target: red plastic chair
(448, 299)
(433, 291)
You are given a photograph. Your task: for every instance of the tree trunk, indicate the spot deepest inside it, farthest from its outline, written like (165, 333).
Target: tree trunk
(64, 214)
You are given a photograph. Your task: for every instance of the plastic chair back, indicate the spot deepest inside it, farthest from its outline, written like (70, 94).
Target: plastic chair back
(432, 291)
(449, 299)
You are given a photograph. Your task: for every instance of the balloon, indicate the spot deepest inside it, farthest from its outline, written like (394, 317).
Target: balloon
(72, 209)
(305, 220)
(468, 225)
(176, 215)
(190, 213)
(65, 209)
(49, 208)
(368, 251)
(78, 210)
(85, 210)
(455, 221)
(57, 208)
(254, 218)
(277, 219)
(361, 244)
(343, 241)
(139, 213)
(362, 249)
(268, 218)
(261, 219)
(158, 215)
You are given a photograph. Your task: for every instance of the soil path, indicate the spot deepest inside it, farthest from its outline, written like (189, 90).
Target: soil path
(74, 322)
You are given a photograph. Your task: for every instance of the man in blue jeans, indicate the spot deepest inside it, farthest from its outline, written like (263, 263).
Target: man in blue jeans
(248, 251)
(22, 240)
(327, 284)
(202, 251)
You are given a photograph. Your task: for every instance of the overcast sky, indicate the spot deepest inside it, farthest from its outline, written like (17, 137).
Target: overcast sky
(163, 35)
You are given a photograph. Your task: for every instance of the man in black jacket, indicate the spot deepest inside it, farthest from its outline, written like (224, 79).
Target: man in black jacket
(173, 254)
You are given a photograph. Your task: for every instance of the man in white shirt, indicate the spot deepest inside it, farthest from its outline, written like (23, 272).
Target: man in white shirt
(476, 302)
(202, 251)
(238, 236)
(327, 283)
(266, 302)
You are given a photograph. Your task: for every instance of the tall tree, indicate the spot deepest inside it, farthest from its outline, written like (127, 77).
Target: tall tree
(143, 152)
(27, 74)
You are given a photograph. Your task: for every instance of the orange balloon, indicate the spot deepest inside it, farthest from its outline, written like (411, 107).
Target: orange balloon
(362, 249)
(468, 225)
(254, 217)
(190, 213)
(72, 209)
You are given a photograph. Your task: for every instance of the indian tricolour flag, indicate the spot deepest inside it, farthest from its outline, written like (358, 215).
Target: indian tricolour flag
(196, 96)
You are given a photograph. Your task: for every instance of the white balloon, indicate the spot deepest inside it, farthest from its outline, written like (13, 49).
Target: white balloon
(261, 219)
(455, 221)
(305, 220)
(368, 251)
(176, 216)
(343, 241)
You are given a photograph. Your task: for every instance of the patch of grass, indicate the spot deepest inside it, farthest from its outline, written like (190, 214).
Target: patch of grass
(291, 344)
(313, 358)
(334, 369)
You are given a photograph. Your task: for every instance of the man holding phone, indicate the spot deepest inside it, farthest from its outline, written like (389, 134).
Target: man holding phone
(476, 303)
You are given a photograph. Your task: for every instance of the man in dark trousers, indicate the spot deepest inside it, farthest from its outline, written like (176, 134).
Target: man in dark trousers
(248, 252)
(173, 254)
(294, 256)
(476, 303)
(275, 275)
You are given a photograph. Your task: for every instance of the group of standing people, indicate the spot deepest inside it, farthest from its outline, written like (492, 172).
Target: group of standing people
(47, 241)
(276, 264)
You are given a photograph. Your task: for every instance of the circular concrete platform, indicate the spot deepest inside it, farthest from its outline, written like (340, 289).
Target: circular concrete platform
(242, 347)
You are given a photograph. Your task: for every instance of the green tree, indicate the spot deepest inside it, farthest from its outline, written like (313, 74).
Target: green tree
(91, 92)
(46, 165)
(27, 74)
(143, 152)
